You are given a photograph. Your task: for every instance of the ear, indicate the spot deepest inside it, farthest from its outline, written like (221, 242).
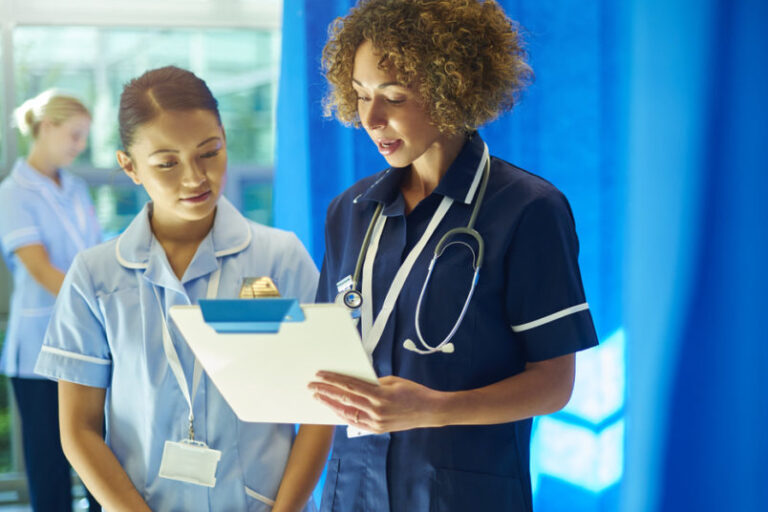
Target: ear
(127, 165)
(45, 125)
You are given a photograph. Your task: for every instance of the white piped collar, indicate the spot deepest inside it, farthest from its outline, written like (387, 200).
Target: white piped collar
(230, 234)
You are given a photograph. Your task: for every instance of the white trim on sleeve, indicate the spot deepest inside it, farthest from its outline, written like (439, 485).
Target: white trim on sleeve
(550, 318)
(20, 233)
(75, 355)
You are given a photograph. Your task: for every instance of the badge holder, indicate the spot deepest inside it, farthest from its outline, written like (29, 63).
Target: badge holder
(190, 461)
(353, 432)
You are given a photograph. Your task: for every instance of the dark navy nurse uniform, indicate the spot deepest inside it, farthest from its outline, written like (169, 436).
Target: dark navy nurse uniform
(528, 306)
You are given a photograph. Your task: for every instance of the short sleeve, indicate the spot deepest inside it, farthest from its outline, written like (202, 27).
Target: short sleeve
(298, 273)
(75, 347)
(18, 223)
(545, 302)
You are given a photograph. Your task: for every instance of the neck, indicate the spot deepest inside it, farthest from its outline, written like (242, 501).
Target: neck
(40, 162)
(180, 239)
(427, 171)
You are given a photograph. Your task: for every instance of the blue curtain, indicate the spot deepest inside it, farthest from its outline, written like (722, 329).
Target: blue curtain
(652, 120)
(696, 269)
(566, 129)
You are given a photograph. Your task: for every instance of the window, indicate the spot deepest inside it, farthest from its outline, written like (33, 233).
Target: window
(94, 63)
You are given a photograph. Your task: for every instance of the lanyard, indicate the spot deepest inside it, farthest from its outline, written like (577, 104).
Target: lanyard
(173, 357)
(372, 330)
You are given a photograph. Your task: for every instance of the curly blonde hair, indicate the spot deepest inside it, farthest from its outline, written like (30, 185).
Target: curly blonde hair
(465, 58)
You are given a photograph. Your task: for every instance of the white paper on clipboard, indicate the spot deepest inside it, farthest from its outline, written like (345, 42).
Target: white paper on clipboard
(264, 376)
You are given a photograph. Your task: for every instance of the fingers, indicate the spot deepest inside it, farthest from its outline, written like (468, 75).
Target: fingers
(349, 413)
(347, 382)
(340, 394)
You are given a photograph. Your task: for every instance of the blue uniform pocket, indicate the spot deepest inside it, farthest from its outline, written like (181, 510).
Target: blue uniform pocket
(465, 490)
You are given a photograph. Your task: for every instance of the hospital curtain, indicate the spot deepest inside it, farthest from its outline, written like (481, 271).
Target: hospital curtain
(697, 256)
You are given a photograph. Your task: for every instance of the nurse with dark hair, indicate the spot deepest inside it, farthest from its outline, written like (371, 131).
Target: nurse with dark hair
(172, 442)
(472, 331)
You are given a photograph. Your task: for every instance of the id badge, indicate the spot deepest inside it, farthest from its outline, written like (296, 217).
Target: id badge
(190, 461)
(356, 432)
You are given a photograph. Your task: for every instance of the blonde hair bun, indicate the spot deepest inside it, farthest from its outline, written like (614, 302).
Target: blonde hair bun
(51, 104)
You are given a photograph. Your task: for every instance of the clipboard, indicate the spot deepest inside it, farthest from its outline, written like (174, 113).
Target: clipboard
(263, 373)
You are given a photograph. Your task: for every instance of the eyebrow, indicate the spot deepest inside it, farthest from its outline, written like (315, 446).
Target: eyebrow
(380, 86)
(206, 141)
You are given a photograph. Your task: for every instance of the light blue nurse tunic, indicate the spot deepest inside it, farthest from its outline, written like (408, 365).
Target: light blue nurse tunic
(106, 332)
(34, 210)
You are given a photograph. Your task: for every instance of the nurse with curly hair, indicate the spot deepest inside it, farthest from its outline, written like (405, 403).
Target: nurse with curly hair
(473, 331)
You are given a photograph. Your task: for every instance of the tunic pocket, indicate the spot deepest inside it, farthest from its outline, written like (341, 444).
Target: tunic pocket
(465, 490)
(258, 502)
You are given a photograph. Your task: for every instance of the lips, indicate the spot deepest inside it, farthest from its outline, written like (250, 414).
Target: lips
(388, 146)
(199, 198)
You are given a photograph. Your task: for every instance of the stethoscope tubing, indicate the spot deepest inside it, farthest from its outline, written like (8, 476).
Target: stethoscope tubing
(442, 244)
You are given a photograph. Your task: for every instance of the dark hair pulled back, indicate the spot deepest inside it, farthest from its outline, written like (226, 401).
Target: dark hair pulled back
(158, 90)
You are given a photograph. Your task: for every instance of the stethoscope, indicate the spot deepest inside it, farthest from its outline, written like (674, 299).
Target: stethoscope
(352, 298)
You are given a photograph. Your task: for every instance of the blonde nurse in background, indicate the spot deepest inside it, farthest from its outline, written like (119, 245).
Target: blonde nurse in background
(46, 218)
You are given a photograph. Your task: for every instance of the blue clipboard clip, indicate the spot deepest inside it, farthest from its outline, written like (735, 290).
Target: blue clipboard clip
(260, 315)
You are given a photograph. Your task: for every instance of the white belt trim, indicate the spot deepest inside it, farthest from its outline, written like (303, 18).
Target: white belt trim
(75, 355)
(550, 318)
(253, 494)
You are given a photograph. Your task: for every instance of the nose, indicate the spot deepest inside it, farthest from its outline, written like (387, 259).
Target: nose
(80, 144)
(373, 115)
(194, 173)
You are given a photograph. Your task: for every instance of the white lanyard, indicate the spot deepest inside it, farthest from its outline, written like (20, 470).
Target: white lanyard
(173, 357)
(372, 330)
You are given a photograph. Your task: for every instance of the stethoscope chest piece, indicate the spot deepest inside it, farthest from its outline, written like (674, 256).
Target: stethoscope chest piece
(352, 299)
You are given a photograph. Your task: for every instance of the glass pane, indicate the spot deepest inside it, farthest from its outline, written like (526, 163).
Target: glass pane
(240, 66)
(257, 200)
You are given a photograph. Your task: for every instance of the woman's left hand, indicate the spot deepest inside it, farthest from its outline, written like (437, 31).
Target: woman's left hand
(395, 404)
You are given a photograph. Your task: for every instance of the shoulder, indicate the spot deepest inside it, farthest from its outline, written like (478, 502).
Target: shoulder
(523, 191)
(277, 248)
(99, 265)
(12, 192)
(278, 239)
